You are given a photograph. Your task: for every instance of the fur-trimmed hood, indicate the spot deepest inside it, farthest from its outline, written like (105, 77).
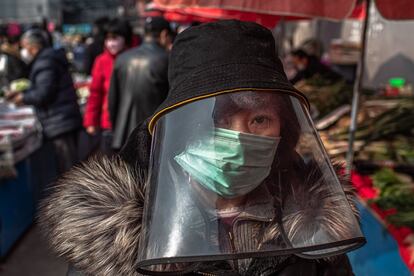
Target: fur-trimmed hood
(93, 215)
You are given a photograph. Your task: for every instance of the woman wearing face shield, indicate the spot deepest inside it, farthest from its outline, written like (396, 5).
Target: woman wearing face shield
(236, 179)
(235, 156)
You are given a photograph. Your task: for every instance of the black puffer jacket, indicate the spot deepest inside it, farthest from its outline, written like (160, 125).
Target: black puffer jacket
(52, 93)
(138, 86)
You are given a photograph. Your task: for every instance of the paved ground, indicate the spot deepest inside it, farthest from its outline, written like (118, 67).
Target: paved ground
(32, 257)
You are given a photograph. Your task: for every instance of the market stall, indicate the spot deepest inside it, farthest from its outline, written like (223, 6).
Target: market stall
(19, 138)
(383, 176)
(25, 168)
(383, 164)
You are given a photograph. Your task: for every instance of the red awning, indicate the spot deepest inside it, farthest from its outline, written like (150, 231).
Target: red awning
(396, 9)
(212, 14)
(338, 9)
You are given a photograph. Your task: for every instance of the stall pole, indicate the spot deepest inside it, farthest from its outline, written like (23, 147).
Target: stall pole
(357, 90)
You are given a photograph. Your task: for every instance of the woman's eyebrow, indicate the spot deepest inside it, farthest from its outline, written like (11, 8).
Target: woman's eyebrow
(267, 106)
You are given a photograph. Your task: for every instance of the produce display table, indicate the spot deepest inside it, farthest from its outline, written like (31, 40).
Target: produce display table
(388, 250)
(26, 166)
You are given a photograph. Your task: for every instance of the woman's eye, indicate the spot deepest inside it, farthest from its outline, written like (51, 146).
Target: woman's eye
(261, 121)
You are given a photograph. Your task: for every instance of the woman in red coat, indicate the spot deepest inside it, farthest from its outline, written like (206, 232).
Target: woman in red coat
(96, 119)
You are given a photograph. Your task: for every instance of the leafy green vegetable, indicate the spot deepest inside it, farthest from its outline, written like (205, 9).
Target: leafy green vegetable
(19, 85)
(325, 94)
(397, 120)
(395, 193)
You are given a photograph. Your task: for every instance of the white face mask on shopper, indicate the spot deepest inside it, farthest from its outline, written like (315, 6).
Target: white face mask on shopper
(25, 55)
(115, 45)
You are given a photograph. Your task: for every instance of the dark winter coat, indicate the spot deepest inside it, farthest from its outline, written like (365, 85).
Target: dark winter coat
(99, 207)
(92, 51)
(138, 86)
(52, 93)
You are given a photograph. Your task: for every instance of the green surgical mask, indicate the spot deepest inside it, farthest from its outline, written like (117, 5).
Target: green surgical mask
(229, 163)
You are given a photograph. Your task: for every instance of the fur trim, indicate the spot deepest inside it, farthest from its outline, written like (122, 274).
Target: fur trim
(314, 206)
(309, 206)
(93, 216)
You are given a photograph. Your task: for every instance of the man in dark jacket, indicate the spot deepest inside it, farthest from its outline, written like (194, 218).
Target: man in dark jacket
(139, 80)
(52, 94)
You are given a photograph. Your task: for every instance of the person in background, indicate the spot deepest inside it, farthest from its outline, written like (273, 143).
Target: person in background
(139, 81)
(96, 118)
(52, 94)
(43, 26)
(78, 50)
(57, 36)
(97, 46)
(11, 65)
(313, 47)
(308, 66)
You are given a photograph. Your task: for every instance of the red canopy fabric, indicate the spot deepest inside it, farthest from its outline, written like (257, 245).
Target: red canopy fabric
(212, 14)
(396, 9)
(338, 9)
(359, 11)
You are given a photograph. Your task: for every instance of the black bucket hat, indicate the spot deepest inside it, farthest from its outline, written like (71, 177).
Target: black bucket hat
(222, 57)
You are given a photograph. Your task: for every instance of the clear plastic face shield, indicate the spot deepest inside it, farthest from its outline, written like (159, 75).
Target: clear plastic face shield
(238, 179)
